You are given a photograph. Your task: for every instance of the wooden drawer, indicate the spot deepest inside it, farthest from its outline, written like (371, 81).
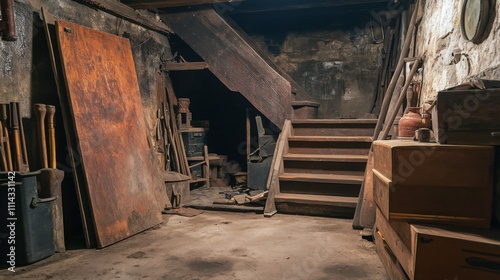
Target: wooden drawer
(434, 183)
(467, 117)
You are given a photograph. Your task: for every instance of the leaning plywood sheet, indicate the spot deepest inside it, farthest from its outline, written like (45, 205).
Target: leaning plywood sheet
(104, 98)
(234, 61)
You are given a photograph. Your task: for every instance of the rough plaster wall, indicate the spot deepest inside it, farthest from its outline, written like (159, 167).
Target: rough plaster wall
(25, 69)
(338, 68)
(439, 34)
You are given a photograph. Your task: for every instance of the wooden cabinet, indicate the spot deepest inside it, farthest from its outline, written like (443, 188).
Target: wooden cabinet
(432, 183)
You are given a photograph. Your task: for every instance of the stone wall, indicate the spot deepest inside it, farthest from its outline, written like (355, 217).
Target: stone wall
(25, 69)
(338, 67)
(440, 34)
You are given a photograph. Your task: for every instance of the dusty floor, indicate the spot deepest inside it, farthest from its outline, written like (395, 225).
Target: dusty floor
(221, 245)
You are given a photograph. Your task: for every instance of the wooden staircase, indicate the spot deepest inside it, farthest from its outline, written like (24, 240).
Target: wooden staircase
(319, 167)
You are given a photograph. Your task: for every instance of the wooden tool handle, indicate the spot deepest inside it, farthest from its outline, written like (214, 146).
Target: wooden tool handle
(40, 112)
(5, 167)
(4, 115)
(51, 111)
(14, 119)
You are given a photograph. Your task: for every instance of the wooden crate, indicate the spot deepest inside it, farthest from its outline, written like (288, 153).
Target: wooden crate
(437, 252)
(467, 117)
(397, 237)
(434, 183)
(445, 253)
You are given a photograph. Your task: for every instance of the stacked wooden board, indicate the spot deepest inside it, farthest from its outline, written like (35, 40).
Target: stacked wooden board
(417, 183)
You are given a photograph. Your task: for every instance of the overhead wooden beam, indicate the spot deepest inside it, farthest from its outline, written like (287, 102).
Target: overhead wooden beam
(254, 5)
(149, 4)
(233, 61)
(122, 10)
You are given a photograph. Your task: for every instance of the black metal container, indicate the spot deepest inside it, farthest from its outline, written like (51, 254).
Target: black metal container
(30, 218)
(194, 139)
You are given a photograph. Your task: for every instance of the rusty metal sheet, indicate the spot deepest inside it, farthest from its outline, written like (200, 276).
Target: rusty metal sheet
(106, 110)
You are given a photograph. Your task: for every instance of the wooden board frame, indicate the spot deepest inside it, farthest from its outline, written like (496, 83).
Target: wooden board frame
(106, 110)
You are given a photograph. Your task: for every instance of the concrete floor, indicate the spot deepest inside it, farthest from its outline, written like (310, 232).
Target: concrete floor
(222, 245)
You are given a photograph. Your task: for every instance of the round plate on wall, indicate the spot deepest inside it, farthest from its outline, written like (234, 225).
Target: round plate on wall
(475, 17)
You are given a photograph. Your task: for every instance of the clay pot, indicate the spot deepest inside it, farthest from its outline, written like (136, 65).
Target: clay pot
(410, 122)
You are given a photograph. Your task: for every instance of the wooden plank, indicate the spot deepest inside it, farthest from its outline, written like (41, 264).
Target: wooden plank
(453, 253)
(366, 139)
(260, 6)
(277, 169)
(122, 10)
(77, 172)
(326, 158)
(103, 92)
(234, 62)
(389, 261)
(298, 90)
(321, 178)
(366, 214)
(185, 66)
(399, 247)
(342, 122)
(339, 201)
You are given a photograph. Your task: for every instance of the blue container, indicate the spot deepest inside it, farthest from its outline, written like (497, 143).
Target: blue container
(27, 220)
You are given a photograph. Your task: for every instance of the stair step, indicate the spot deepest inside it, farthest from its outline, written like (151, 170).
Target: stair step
(326, 158)
(362, 139)
(325, 164)
(322, 178)
(321, 184)
(334, 127)
(372, 122)
(320, 205)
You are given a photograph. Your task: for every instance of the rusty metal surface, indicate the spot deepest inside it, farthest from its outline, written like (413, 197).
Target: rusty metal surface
(104, 97)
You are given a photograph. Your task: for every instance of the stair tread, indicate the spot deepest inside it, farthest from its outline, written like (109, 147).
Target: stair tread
(332, 158)
(322, 178)
(334, 121)
(343, 201)
(331, 138)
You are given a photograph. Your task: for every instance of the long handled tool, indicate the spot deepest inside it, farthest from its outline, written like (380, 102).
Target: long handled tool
(5, 167)
(51, 111)
(40, 112)
(16, 142)
(4, 115)
(364, 217)
(24, 151)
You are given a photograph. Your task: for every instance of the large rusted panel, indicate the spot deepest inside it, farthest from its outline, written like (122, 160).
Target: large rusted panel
(106, 108)
(234, 61)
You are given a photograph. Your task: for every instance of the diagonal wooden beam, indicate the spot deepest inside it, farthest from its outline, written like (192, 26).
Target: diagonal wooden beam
(234, 62)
